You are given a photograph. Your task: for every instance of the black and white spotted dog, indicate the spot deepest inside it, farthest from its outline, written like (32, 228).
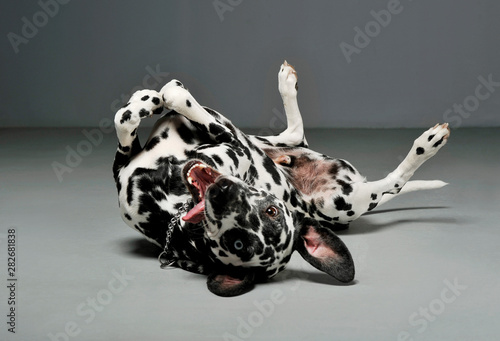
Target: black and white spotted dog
(249, 201)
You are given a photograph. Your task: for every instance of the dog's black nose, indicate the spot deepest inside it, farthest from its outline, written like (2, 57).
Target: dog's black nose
(224, 184)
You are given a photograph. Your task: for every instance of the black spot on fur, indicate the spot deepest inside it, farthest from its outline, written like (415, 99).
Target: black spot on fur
(350, 213)
(221, 135)
(270, 167)
(341, 205)
(128, 217)
(438, 142)
(323, 216)
(253, 174)
(231, 128)
(125, 149)
(374, 196)
(430, 137)
(188, 103)
(346, 188)
(233, 157)
(420, 151)
(133, 132)
(164, 134)
(218, 160)
(372, 206)
(312, 208)
(145, 98)
(143, 113)
(126, 116)
(334, 170)
(158, 111)
(153, 142)
(215, 129)
(347, 166)
(179, 84)
(186, 134)
(286, 196)
(118, 185)
(263, 140)
(156, 100)
(201, 127)
(293, 198)
(130, 191)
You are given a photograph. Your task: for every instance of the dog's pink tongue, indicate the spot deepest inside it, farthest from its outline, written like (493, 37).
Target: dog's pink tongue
(196, 214)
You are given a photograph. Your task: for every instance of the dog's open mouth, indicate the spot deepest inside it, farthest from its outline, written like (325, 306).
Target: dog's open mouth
(199, 177)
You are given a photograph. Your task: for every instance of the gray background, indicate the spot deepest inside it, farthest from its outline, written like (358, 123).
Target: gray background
(87, 59)
(76, 66)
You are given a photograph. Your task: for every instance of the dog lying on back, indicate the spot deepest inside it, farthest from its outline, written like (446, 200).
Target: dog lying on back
(234, 206)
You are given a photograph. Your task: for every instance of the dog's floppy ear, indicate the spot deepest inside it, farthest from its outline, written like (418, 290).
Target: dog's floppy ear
(230, 285)
(324, 250)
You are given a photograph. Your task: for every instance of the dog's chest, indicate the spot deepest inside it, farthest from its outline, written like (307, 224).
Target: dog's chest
(151, 187)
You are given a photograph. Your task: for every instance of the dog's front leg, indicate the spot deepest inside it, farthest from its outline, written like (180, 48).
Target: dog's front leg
(179, 99)
(293, 135)
(143, 103)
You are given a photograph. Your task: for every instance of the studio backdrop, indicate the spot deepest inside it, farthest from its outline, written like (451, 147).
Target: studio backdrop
(381, 63)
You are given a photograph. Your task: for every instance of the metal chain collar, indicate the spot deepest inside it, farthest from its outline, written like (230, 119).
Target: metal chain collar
(166, 258)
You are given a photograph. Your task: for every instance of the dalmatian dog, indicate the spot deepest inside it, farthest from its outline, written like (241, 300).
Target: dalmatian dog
(234, 206)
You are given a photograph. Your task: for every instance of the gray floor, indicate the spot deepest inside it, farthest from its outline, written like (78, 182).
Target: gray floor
(427, 263)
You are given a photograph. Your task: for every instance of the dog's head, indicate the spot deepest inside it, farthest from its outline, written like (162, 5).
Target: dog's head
(253, 234)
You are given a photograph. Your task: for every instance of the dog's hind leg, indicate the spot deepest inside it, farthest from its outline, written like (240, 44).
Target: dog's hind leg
(360, 197)
(143, 103)
(293, 135)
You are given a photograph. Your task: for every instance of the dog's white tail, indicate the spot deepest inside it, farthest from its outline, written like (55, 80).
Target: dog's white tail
(412, 186)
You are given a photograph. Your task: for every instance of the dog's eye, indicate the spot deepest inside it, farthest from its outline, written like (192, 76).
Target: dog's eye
(272, 211)
(238, 245)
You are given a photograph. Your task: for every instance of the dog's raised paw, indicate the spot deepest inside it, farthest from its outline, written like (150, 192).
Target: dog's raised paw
(175, 95)
(287, 80)
(428, 144)
(143, 103)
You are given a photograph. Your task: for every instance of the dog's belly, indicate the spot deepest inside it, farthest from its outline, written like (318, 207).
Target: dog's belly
(152, 188)
(151, 194)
